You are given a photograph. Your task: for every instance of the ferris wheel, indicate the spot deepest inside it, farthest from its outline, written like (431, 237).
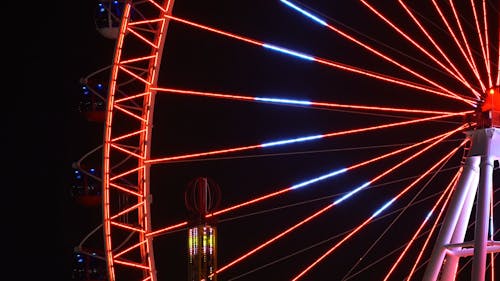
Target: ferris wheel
(348, 141)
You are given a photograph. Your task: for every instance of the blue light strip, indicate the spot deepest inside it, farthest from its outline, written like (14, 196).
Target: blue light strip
(304, 12)
(302, 184)
(351, 193)
(275, 100)
(386, 205)
(289, 52)
(428, 216)
(267, 144)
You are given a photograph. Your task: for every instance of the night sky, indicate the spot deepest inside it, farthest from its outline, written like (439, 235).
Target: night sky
(199, 60)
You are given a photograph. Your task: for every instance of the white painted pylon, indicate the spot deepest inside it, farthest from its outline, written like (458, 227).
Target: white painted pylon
(475, 183)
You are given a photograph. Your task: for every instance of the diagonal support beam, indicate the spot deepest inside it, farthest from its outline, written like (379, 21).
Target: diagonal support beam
(476, 179)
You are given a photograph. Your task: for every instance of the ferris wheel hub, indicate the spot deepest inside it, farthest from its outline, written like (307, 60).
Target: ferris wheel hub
(488, 114)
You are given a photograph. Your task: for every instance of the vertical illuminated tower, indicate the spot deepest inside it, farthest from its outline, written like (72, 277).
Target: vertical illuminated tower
(475, 184)
(202, 197)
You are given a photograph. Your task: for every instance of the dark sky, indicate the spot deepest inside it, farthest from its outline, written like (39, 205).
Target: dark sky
(201, 61)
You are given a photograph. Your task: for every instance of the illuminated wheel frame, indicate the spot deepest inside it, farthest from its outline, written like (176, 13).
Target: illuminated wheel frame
(127, 159)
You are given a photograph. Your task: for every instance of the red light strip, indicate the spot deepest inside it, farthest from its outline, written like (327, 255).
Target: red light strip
(297, 277)
(131, 97)
(205, 94)
(250, 147)
(160, 7)
(455, 39)
(391, 24)
(412, 239)
(131, 264)
(143, 22)
(124, 189)
(443, 54)
(464, 38)
(430, 169)
(418, 153)
(324, 210)
(275, 238)
(131, 248)
(253, 201)
(196, 155)
(479, 33)
(400, 150)
(128, 172)
(486, 37)
(218, 31)
(395, 124)
(130, 113)
(311, 103)
(127, 210)
(107, 147)
(145, 58)
(124, 226)
(131, 30)
(334, 64)
(498, 65)
(366, 222)
(419, 230)
(492, 238)
(392, 80)
(270, 195)
(127, 135)
(166, 229)
(124, 69)
(434, 226)
(126, 151)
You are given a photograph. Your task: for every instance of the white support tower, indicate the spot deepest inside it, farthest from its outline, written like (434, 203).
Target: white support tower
(475, 183)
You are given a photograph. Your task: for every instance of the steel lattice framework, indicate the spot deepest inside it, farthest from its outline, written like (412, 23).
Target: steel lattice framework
(127, 227)
(125, 174)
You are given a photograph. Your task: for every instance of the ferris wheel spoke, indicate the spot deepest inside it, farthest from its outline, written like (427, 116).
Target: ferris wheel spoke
(498, 63)
(395, 80)
(483, 42)
(439, 49)
(441, 91)
(132, 157)
(294, 102)
(415, 268)
(317, 244)
(374, 215)
(487, 45)
(299, 139)
(408, 245)
(340, 200)
(377, 52)
(348, 275)
(467, 45)
(455, 39)
(449, 188)
(414, 43)
(436, 139)
(431, 212)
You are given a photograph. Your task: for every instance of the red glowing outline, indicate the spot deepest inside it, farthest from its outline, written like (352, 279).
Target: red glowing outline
(386, 20)
(443, 54)
(367, 221)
